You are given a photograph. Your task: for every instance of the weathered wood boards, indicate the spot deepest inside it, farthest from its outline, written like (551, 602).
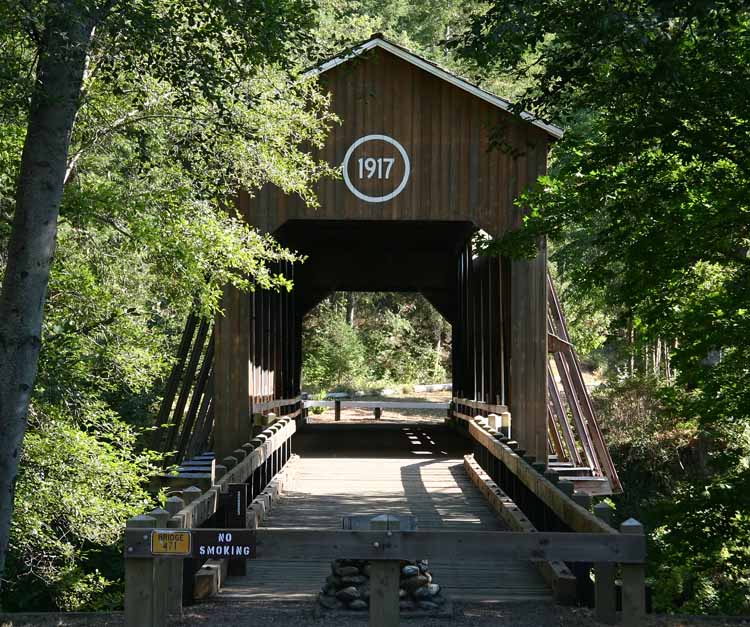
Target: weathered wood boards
(182, 543)
(197, 511)
(420, 151)
(446, 133)
(572, 514)
(256, 359)
(314, 544)
(556, 574)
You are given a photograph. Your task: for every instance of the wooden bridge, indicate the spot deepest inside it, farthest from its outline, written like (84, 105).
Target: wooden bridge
(402, 470)
(502, 491)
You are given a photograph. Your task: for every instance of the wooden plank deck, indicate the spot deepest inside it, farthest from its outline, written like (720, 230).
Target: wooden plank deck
(416, 470)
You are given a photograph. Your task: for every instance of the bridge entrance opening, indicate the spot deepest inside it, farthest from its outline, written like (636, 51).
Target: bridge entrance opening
(376, 357)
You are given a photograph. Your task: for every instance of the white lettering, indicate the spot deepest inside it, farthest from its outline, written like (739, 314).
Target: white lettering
(370, 167)
(225, 550)
(375, 165)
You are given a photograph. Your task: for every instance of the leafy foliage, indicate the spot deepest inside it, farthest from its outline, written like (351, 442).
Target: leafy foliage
(366, 340)
(81, 478)
(647, 200)
(182, 104)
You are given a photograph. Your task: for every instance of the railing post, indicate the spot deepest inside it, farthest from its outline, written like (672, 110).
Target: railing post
(174, 589)
(161, 572)
(384, 581)
(236, 518)
(189, 565)
(604, 572)
(494, 421)
(505, 424)
(633, 583)
(139, 581)
(337, 409)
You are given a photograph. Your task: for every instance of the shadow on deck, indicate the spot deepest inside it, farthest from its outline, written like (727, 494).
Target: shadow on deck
(374, 469)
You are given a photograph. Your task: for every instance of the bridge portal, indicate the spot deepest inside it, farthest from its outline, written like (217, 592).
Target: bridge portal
(427, 160)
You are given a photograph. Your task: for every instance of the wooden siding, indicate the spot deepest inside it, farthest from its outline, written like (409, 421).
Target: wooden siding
(447, 134)
(469, 161)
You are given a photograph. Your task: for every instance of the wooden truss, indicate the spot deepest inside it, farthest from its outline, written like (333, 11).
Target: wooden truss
(577, 447)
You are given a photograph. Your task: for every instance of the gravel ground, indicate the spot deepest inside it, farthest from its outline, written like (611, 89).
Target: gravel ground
(223, 614)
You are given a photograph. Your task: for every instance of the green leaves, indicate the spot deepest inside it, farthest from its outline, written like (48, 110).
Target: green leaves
(368, 340)
(76, 487)
(647, 203)
(183, 105)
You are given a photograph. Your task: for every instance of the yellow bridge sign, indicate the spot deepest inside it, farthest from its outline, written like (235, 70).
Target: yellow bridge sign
(170, 542)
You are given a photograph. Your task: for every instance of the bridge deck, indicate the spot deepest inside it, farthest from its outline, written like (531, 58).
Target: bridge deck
(374, 469)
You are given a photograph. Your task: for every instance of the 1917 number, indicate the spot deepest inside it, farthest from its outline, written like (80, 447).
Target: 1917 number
(372, 166)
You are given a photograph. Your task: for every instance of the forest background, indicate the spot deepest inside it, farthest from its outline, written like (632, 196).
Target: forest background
(646, 205)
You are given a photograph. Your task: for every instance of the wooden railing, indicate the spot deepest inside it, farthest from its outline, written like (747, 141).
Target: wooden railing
(589, 477)
(551, 505)
(281, 406)
(204, 494)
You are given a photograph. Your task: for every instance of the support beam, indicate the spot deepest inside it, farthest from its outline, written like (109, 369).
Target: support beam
(384, 579)
(528, 354)
(232, 373)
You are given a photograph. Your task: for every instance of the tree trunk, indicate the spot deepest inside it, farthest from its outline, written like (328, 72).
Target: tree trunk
(351, 305)
(53, 108)
(631, 349)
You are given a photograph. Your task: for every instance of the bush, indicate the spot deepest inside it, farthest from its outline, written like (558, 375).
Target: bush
(78, 484)
(690, 486)
(334, 353)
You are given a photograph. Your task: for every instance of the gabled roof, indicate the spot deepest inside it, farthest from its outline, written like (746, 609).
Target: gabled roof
(377, 41)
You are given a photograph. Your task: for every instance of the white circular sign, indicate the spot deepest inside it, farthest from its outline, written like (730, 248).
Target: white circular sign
(371, 166)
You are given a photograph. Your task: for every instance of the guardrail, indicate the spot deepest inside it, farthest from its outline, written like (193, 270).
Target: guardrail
(387, 548)
(376, 406)
(552, 505)
(202, 494)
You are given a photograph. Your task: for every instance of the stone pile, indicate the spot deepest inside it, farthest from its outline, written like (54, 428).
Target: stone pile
(348, 587)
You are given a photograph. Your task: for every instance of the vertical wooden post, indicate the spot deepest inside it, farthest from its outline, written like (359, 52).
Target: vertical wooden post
(505, 426)
(633, 583)
(174, 589)
(604, 573)
(237, 519)
(161, 572)
(528, 353)
(582, 499)
(189, 565)
(337, 409)
(384, 580)
(232, 372)
(378, 413)
(139, 581)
